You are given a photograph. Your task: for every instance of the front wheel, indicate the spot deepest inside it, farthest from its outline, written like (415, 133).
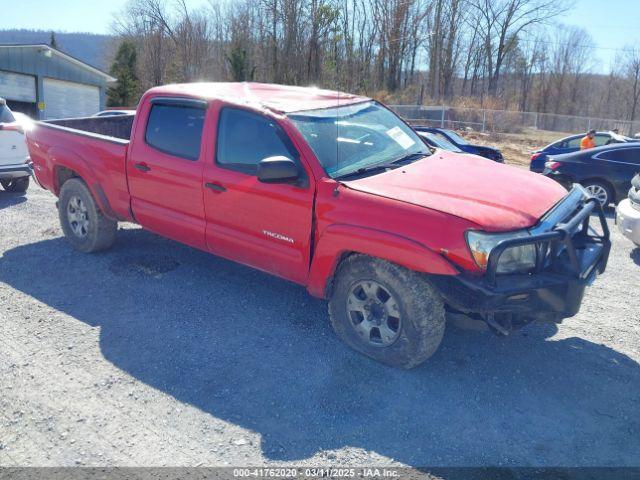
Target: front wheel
(386, 311)
(84, 225)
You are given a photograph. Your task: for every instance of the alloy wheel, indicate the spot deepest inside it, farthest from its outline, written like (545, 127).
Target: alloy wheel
(78, 216)
(599, 192)
(374, 313)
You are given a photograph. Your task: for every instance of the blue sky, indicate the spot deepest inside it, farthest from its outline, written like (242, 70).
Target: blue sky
(612, 23)
(93, 16)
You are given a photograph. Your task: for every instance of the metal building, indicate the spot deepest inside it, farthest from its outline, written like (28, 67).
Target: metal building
(46, 83)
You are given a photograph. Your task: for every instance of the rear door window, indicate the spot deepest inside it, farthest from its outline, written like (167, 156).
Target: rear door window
(175, 130)
(625, 155)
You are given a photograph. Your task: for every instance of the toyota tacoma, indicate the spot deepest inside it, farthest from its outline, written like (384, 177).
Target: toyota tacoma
(336, 193)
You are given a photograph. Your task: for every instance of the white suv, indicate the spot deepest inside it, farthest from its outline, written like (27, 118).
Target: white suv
(15, 167)
(628, 213)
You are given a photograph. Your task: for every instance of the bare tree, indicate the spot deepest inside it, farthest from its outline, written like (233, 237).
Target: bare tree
(502, 53)
(632, 77)
(501, 22)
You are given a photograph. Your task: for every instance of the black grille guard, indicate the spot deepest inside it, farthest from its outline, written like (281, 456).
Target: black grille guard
(565, 228)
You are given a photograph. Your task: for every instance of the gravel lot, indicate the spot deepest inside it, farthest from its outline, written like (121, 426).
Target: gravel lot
(157, 354)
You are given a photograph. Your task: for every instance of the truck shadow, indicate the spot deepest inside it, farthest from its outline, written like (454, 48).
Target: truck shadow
(258, 352)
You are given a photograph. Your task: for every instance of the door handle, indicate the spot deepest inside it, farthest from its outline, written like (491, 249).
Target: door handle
(215, 187)
(143, 167)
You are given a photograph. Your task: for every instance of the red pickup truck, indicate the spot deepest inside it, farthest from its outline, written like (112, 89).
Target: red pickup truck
(334, 192)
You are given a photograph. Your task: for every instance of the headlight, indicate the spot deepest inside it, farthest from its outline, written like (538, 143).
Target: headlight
(519, 259)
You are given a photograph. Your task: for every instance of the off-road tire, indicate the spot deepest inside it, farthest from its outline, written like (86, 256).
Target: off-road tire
(421, 308)
(101, 231)
(16, 185)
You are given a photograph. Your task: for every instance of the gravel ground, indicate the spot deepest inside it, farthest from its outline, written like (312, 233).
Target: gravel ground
(157, 354)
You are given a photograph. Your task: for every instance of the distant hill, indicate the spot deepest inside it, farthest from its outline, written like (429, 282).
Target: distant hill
(88, 47)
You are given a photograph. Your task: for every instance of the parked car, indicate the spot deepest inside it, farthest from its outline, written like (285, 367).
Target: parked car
(452, 137)
(15, 166)
(605, 172)
(628, 212)
(336, 193)
(572, 144)
(435, 141)
(111, 113)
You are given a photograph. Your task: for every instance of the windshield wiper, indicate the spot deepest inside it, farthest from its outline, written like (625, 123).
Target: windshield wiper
(409, 156)
(363, 170)
(382, 166)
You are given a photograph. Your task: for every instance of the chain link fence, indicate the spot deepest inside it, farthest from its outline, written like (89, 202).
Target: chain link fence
(506, 121)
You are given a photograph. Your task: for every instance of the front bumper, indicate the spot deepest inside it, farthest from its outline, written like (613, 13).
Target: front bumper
(628, 220)
(544, 296)
(9, 172)
(570, 255)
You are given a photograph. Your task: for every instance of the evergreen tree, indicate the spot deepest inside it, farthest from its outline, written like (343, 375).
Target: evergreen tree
(239, 64)
(52, 40)
(125, 92)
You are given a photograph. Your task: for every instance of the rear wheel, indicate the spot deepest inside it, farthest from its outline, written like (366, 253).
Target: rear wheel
(16, 185)
(84, 225)
(385, 311)
(600, 191)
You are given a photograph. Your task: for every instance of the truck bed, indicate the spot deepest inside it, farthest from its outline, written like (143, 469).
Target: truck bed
(94, 148)
(117, 126)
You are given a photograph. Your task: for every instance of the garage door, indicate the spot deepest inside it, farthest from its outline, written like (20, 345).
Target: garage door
(18, 87)
(67, 99)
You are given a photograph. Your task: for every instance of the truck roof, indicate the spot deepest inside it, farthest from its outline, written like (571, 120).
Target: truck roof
(278, 98)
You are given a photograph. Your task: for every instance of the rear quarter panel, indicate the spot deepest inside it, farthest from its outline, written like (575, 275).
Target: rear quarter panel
(98, 160)
(588, 166)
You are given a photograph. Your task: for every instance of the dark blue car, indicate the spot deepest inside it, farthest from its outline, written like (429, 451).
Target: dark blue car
(605, 172)
(452, 137)
(572, 144)
(436, 141)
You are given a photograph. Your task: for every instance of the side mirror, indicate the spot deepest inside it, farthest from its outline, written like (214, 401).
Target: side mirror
(278, 169)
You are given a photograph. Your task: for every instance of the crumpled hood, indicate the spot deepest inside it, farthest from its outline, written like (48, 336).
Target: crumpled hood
(495, 196)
